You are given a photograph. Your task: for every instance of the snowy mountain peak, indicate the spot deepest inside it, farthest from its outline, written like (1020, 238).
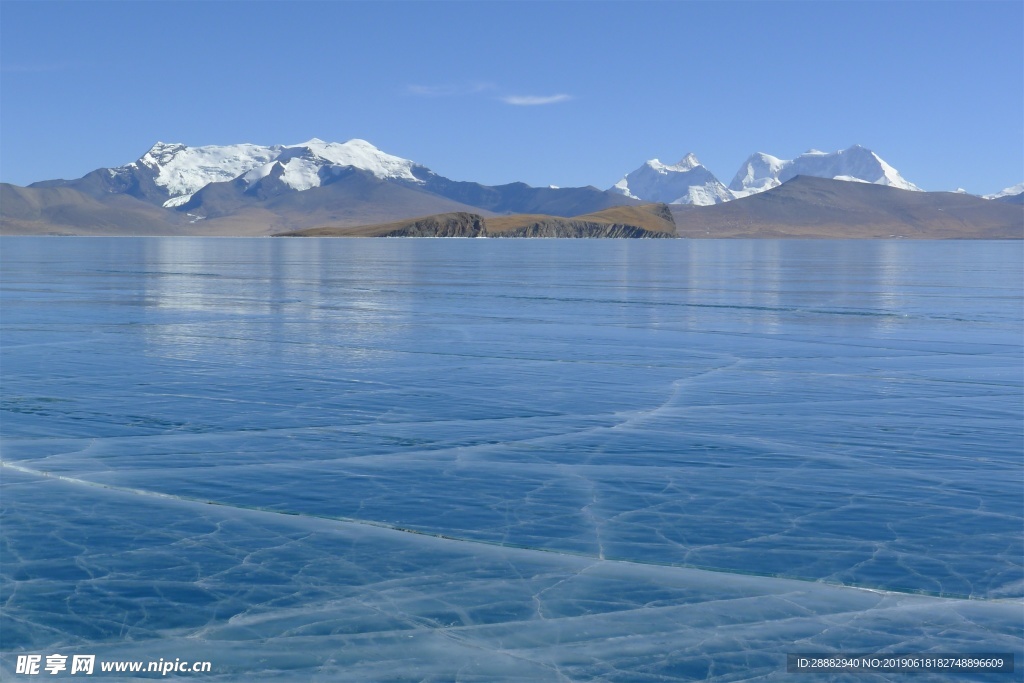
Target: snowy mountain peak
(687, 182)
(359, 154)
(1011, 191)
(762, 172)
(359, 142)
(688, 162)
(161, 153)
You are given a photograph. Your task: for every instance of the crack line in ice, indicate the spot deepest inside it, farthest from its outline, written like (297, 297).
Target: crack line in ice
(515, 546)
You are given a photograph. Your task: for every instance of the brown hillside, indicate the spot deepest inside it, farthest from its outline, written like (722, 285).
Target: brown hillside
(653, 220)
(821, 208)
(455, 224)
(65, 211)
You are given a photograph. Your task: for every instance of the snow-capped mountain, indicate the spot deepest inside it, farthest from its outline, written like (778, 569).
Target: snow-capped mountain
(759, 173)
(255, 189)
(171, 175)
(687, 182)
(195, 180)
(310, 181)
(247, 189)
(181, 171)
(858, 164)
(1012, 191)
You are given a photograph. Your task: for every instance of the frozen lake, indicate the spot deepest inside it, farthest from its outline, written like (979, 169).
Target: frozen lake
(477, 460)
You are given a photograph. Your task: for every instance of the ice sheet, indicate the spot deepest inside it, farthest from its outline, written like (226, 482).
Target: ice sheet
(622, 461)
(278, 597)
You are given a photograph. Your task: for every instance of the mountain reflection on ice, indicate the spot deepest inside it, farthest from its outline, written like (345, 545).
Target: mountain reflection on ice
(544, 460)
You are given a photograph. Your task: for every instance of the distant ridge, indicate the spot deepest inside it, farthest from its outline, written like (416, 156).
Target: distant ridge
(257, 190)
(1014, 194)
(250, 189)
(822, 208)
(67, 211)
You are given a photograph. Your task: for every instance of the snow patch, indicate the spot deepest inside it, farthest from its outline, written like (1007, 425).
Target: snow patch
(177, 201)
(622, 187)
(301, 174)
(259, 173)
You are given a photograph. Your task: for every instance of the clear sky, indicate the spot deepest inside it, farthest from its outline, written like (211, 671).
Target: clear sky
(563, 93)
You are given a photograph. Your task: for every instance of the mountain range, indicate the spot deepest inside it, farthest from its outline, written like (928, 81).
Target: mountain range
(246, 189)
(689, 182)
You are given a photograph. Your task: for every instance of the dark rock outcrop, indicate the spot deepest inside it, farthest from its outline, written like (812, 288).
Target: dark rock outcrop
(554, 227)
(458, 224)
(632, 222)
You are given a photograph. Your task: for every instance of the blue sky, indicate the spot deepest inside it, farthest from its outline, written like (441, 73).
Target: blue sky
(564, 93)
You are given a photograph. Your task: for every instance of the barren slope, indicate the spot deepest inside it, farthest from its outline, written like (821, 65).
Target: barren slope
(652, 220)
(823, 208)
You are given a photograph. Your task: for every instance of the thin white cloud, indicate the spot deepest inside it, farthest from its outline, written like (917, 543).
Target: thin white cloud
(465, 89)
(535, 100)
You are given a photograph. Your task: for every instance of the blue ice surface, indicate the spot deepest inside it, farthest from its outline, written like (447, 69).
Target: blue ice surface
(476, 460)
